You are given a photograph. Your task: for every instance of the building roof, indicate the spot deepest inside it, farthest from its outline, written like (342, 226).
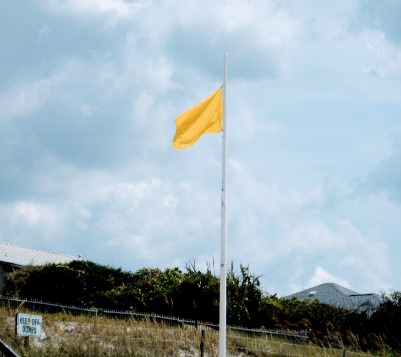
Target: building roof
(336, 295)
(20, 256)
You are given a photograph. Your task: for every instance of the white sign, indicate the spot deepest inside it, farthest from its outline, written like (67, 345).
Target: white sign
(29, 325)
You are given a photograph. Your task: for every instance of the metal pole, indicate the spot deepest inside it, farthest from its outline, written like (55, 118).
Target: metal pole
(223, 248)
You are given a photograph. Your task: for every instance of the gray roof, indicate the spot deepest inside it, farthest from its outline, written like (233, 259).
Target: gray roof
(20, 256)
(336, 295)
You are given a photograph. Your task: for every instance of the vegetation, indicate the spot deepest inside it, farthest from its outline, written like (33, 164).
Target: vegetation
(75, 336)
(192, 294)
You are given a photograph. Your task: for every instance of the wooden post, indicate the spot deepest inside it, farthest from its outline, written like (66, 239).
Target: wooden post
(26, 342)
(202, 344)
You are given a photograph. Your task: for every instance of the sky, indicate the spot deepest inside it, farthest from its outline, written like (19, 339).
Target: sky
(89, 92)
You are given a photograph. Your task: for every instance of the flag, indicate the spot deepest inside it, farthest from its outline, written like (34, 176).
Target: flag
(204, 118)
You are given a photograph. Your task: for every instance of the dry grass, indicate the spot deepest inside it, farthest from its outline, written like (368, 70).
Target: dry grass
(66, 335)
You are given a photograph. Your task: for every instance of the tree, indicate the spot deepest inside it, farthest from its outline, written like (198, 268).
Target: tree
(243, 297)
(385, 321)
(197, 296)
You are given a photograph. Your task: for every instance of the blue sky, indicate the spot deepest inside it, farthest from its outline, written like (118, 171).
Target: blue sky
(89, 92)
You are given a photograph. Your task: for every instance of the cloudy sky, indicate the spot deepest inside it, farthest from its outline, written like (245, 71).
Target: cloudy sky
(89, 92)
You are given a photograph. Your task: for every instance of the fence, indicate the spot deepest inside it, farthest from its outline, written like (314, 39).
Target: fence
(39, 306)
(240, 341)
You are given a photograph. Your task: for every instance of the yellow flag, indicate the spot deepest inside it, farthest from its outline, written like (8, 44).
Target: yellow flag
(204, 118)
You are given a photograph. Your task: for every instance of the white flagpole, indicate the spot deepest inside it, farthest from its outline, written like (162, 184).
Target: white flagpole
(223, 270)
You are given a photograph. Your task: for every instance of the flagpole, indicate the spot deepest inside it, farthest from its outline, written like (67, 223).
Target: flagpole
(223, 248)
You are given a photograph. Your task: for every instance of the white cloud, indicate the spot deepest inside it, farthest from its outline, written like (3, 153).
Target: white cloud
(44, 31)
(382, 58)
(386, 176)
(26, 98)
(32, 213)
(277, 225)
(29, 221)
(382, 16)
(321, 276)
(148, 70)
(23, 100)
(115, 9)
(130, 194)
(88, 110)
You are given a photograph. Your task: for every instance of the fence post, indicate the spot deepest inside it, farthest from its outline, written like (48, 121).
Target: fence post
(202, 344)
(344, 353)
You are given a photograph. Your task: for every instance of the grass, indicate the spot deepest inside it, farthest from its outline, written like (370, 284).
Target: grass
(76, 336)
